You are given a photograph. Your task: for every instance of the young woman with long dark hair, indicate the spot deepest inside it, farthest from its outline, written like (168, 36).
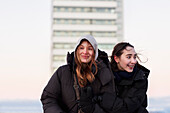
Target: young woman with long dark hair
(131, 81)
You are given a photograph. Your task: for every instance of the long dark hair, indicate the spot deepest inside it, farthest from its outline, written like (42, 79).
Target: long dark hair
(118, 51)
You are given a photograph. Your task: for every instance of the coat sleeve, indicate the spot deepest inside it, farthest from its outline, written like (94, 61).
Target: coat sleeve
(98, 107)
(133, 101)
(107, 86)
(105, 90)
(50, 97)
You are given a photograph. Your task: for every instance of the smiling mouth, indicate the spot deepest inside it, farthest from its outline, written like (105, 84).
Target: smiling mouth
(131, 66)
(85, 57)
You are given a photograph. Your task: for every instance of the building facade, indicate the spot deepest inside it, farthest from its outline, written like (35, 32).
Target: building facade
(73, 18)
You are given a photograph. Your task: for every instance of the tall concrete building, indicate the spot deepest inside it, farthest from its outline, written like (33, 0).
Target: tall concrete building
(73, 18)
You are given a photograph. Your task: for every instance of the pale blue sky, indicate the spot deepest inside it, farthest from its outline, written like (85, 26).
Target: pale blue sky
(147, 26)
(25, 44)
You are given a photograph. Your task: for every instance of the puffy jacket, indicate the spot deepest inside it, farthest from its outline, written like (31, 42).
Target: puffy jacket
(59, 95)
(131, 94)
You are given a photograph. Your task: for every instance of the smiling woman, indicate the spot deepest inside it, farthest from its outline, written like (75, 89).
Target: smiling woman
(127, 60)
(131, 81)
(84, 77)
(85, 54)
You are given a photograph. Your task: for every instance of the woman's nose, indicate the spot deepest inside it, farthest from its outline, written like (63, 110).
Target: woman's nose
(133, 60)
(85, 50)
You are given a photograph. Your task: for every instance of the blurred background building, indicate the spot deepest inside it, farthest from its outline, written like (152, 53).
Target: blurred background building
(73, 18)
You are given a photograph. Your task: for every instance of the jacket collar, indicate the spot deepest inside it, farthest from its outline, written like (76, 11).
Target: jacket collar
(141, 73)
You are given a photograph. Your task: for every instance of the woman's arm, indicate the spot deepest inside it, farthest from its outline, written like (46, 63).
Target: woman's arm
(135, 98)
(107, 87)
(51, 95)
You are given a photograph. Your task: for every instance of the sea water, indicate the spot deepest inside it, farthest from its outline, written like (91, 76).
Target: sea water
(21, 106)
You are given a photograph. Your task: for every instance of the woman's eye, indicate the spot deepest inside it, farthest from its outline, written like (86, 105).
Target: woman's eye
(128, 57)
(90, 48)
(81, 47)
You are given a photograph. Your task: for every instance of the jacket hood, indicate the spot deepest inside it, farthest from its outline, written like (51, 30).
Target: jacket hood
(91, 40)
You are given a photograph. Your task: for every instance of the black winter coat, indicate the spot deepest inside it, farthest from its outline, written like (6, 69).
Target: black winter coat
(59, 95)
(131, 93)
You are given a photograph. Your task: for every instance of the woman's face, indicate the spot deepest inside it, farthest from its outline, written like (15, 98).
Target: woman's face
(127, 61)
(85, 52)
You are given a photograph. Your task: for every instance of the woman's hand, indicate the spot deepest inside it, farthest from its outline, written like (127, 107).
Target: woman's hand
(86, 104)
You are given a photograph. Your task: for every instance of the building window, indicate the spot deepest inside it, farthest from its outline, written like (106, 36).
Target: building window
(84, 21)
(104, 34)
(103, 10)
(59, 58)
(63, 46)
(71, 9)
(103, 22)
(71, 21)
(70, 33)
(83, 9)
(80, 33)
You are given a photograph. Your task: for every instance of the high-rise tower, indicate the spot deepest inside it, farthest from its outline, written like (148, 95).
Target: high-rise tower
(73, 18)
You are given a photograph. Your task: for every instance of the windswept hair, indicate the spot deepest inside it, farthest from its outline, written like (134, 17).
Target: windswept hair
(84, 70)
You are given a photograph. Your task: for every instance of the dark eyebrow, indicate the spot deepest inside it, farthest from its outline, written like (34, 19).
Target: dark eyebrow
(131, 55)
(128, 54)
